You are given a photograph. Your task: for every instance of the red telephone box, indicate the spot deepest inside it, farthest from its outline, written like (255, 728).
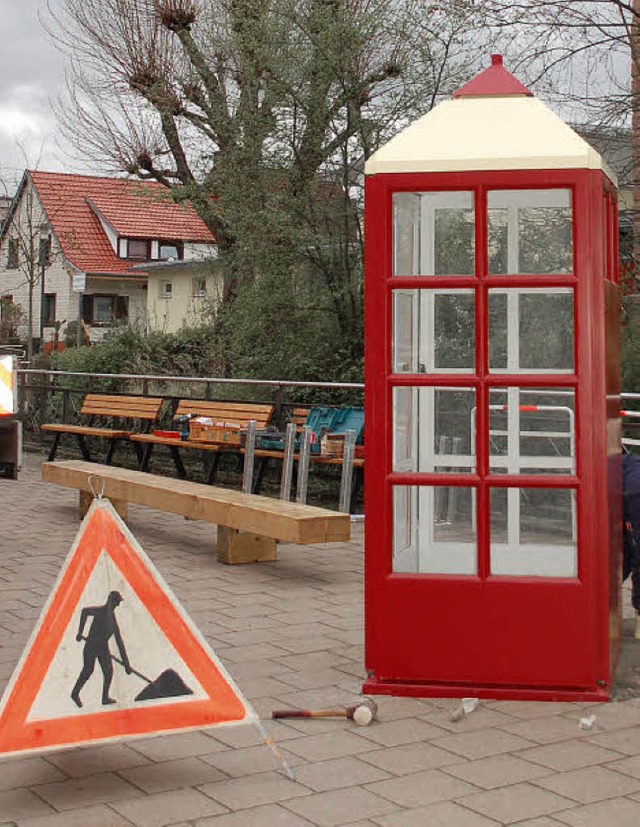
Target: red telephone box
(493, 508)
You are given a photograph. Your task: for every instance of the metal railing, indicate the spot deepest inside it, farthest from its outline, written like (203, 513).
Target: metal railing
(48, 385)
(38, 387)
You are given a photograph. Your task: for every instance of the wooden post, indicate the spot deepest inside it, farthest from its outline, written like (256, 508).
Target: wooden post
(235, 547)
(86, 498)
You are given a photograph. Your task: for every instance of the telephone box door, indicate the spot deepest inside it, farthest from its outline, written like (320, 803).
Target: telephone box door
(482, 398)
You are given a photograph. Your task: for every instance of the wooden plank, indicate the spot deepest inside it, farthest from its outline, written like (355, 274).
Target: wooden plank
(145, 401)
(177, 443)
(85, 430)
(251, 513)
(190, 405)
(148, 404)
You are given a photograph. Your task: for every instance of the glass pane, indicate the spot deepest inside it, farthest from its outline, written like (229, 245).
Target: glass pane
(533, 532)
(530, 231)
(433, 430)
(454, 329)
(168, 251)
(406, 234)
(531, 330)
(433, 331)
(137, 249)
(434, 530)
(103, 308)
(404, 356)
(434, 234)
(532, 431)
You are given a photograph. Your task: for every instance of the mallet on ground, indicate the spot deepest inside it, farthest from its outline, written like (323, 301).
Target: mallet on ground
(361, 713)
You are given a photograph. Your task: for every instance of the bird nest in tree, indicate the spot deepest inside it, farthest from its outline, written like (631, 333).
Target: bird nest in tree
(177, 15)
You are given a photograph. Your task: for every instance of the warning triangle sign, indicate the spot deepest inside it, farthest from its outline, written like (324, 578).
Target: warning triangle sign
(113, 655)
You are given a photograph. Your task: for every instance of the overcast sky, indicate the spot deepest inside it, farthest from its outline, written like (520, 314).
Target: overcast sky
(31, 76)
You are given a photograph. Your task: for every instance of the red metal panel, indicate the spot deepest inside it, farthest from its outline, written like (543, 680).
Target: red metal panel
(494, 635)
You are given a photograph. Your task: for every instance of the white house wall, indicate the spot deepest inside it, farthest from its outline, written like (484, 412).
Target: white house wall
(183, 308)
(57, 279)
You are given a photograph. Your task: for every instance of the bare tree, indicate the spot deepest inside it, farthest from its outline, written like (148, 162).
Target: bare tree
(260, 113)
(584, 56)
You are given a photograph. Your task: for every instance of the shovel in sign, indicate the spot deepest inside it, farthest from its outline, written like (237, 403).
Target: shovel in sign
(168, 684)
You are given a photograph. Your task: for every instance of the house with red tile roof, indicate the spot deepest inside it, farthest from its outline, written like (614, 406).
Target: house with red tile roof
(110, 248)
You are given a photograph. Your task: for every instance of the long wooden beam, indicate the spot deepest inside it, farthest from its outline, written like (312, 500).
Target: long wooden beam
(252, 513)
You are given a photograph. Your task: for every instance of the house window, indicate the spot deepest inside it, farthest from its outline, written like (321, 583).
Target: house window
(49, 310)
(199, 288)
(104, 309)
(44, 252)
(170, 249)
(166, 289)
(12, 254)
(138, 249)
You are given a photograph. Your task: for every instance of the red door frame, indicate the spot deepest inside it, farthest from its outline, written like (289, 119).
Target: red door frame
(524, 637)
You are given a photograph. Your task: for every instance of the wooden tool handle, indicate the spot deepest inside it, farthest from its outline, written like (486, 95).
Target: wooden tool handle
(309, 713)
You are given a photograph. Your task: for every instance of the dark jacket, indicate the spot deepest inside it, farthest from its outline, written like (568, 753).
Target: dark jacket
(631, 514)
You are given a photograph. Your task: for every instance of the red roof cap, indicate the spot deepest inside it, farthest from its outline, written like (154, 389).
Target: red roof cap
(492, 82)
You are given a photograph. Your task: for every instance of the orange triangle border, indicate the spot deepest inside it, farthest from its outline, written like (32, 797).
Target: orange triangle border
(103, 531)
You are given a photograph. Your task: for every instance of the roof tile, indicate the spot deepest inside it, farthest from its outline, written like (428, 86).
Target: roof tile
(135, 209)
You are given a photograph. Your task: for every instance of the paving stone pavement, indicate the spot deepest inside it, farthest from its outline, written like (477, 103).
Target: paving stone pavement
(290, 633)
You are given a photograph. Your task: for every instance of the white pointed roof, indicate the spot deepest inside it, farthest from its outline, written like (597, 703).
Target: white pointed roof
(492, 123)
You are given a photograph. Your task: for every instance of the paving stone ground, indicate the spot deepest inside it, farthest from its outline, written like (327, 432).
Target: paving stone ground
(291, 634)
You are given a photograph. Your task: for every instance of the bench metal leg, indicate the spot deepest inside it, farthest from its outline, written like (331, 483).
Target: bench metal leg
(138, 449)
(110, 452)
(177, 461)
(213, 469)
(54, 447)
(145, 457)
(83, 448)
(235, 547)
(261, 470)
(358, 480)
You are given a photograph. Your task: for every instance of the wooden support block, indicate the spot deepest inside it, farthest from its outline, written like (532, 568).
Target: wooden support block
(86, 498)
(237, 547)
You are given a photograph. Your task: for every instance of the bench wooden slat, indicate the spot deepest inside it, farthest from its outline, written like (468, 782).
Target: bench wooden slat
(187, 406)
(152, 439)
(263, 516)
(85, 430)
(122, 406)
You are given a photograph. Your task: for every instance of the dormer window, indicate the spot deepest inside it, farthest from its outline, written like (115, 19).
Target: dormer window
(138, 249)
(170, 249)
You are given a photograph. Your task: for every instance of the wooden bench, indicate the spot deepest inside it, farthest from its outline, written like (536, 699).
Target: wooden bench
(127, 411)
(235, 413)
(248, 525)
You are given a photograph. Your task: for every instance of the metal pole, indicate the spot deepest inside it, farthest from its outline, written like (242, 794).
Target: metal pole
(287, 461)
(249, 456)
(42, 271)
(347, 471)
(79, 329)
(303, 463)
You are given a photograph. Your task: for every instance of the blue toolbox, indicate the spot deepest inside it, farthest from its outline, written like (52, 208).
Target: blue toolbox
(322, 420)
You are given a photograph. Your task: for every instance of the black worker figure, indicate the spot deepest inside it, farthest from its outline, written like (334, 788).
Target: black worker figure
(103, 626)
